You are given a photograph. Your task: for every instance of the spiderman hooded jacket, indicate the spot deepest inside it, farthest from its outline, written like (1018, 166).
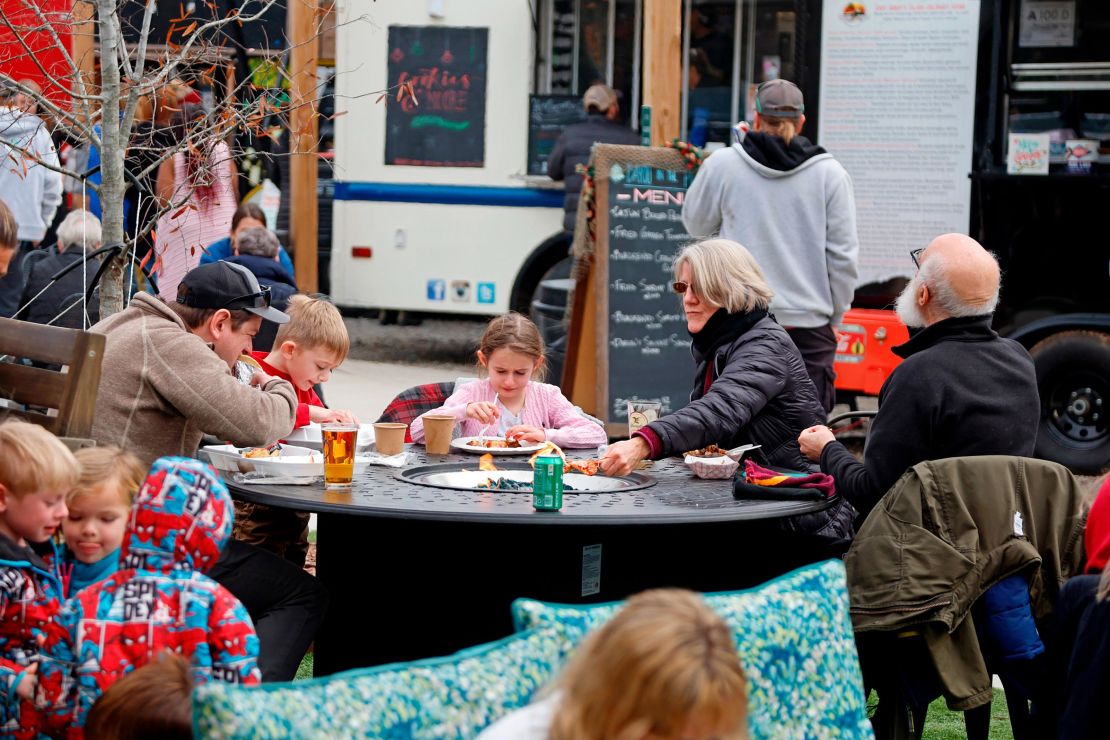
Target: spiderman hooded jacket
(158, 600)
(30, 598)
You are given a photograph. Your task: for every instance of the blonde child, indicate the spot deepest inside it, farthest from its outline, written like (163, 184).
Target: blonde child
(99, 506)
(36, 471)
(664, 667)
(306, 350)
(508, 402)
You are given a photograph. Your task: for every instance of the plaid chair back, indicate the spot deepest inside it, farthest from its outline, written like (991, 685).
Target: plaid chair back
(412, 402)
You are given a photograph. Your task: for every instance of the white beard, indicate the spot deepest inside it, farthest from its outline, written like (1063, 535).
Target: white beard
(906, 306)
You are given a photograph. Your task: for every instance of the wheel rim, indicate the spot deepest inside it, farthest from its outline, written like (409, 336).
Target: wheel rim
(1077, 408)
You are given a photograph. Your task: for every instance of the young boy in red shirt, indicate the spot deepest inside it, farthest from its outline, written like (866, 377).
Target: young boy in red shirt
(306, 350)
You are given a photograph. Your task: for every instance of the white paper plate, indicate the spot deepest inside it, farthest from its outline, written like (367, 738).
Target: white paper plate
(312, 436)
(295, 462)
(460, 443)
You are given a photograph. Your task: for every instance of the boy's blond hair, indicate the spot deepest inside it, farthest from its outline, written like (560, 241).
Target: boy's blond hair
(314, 322)
(101, 465)
(32, 460)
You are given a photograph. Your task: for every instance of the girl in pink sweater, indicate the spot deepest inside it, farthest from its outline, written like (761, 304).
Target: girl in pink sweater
(508, 402)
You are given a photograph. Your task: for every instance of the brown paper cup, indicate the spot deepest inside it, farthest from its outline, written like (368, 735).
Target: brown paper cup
(437, 433)
(389, 437)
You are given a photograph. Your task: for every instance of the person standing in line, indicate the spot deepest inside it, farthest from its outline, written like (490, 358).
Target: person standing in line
(199, 187)
(791, 203)
(28, 185)
(574, 144)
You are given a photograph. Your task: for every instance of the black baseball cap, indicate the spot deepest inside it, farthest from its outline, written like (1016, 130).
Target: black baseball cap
(779, 98)
(227, 285)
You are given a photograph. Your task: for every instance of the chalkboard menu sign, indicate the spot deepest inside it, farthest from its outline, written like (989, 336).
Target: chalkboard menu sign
(548, 115)
(447, 67)
(648, 346)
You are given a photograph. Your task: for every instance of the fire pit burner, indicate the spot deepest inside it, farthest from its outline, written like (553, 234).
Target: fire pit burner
(459, 477)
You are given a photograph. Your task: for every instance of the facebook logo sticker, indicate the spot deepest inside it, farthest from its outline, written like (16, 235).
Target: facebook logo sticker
(437, 289)
(487, 292)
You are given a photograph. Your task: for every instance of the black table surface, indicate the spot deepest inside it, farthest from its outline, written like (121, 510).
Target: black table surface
(678, 497)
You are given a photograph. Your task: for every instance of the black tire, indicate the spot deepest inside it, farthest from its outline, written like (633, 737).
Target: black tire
(550, 259)
(1073, 377)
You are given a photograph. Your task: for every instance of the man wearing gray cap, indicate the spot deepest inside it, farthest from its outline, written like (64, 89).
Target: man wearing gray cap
(573, 146)
(791, 204)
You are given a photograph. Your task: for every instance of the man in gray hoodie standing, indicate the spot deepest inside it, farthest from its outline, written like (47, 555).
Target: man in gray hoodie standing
(28, 186)
(791, 204)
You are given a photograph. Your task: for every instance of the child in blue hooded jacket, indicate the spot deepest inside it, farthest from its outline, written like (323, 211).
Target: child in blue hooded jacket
(158, 600)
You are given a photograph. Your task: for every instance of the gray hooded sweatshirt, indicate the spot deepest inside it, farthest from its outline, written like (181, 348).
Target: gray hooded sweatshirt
(32, 192)
(793, 208)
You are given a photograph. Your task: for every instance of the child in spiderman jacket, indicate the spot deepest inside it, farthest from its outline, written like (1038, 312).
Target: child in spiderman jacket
(159, 600)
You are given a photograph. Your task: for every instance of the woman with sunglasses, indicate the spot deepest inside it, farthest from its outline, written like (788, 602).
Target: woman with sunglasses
(750, 384)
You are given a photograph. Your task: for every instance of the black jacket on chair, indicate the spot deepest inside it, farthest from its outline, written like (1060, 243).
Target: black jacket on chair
(71, 286)
(573, 149)
(962, 390)
(282, 285)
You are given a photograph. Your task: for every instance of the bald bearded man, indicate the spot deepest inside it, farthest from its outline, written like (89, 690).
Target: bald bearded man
(962, 389)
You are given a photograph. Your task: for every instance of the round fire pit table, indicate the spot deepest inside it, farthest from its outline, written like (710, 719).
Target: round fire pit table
(417, 570)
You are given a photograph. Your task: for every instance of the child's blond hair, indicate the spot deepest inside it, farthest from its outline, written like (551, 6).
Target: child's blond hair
(32, 460)
(314, 322)
(665, 660)
(103, 465)
(516, 333)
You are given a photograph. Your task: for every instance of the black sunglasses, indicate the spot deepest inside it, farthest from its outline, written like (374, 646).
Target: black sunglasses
(261, 299)
(914, 254)
(680, 287)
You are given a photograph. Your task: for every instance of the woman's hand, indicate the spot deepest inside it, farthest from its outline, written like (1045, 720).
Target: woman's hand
(622, 457)
(526, 433)
(813, 440)
(483, 411)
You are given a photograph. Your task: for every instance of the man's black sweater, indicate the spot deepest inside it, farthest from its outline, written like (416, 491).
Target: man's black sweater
(962, 390)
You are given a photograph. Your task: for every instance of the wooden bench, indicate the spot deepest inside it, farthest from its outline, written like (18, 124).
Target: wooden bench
(60, 400)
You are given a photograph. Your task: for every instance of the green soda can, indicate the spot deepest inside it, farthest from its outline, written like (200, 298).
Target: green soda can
(547, 483)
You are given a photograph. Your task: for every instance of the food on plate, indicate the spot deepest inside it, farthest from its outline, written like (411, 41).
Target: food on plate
(710, 451)
(493, 443)
(584, 467)
(485, 462)
(273, 450)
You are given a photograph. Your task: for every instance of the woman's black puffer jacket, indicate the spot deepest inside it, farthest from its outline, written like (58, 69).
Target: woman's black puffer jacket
(761, 394)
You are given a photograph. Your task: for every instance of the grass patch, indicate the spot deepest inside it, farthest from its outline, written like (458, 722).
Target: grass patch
(304, 670)
(942, 724)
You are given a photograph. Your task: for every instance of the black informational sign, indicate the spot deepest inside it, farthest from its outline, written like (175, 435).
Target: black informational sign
(648, 345)
(446, 125)
(548, 115)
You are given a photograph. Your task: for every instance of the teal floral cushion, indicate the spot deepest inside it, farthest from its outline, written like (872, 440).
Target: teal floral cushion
(794, 636)
(452, 697)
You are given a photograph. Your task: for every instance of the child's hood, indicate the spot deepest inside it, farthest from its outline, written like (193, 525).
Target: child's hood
(180, 520)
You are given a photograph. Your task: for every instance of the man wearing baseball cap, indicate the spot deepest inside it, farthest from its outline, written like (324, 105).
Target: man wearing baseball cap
(791, 204)
(574, 144)
(166, 379)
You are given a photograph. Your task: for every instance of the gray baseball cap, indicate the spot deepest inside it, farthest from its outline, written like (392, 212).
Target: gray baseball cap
(780, 98)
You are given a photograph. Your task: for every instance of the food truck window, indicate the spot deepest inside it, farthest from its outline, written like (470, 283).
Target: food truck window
(588, 41)
(730, 47)
(1059, 82)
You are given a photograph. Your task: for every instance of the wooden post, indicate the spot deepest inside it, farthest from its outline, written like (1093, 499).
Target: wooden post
(303, 206)
(663, 68)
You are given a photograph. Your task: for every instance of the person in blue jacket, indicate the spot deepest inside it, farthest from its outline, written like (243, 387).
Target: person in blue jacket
(247, 216)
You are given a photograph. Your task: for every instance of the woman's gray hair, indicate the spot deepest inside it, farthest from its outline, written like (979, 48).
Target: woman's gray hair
(724, 273)
(77, 228)
(934, 273)
(257, 241)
